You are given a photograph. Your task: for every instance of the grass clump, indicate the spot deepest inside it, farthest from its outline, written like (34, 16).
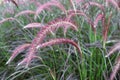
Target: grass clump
(32, 27)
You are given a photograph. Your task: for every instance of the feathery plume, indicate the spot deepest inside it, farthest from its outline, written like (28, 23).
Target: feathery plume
(50, 27)
(72, 13)
(59, 41)
(106, 26)
(17, 51)
(90, 3)
(25, 12)
(47, 5)
(98, 18)
(113, 49)
(115, 69)
(64, 23)
(6, 19)
(114, 3)
(34, 25)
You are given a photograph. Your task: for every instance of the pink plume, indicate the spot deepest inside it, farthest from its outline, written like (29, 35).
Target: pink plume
(114, 3)
(98, 18)
(25, 12)
(93, 4)
(6, 19)
(113, 49)
(17, 51)
(52, 26)
(47, 5)
(59, 41)
(115, 69)
(34, 25)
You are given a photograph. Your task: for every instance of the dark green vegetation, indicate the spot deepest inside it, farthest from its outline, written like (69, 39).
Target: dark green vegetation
(63, 61)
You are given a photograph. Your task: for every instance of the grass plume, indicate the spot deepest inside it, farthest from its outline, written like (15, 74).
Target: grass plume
(17, 51)
(60, 41)
(49, 4)
(25, 12)
(34, 25)
(6, 19)
(50, 27)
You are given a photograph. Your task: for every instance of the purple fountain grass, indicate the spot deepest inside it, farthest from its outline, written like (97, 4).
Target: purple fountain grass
(113, 49)
(97, 19)
(78, 1)
(106, 25)
(36, 3)
(25, 12)
(38, 40)
(47, 5)
(34, 25)
(117, 65)
(50, 27)
(57, 22)
(90, 3)
(72, 13)
(115, 69)
(8, 11)
(114, 3)
(7, 19)
(64, 22)
(17, 51)
(59, 41)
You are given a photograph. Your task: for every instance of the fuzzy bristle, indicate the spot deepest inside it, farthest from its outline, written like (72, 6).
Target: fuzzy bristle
(34, 25)
(90, 3)
(47, 5)
(115, 69)
(25, 12)
(59, 41)
(17, 51)
(6, 19)
(113, 49)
